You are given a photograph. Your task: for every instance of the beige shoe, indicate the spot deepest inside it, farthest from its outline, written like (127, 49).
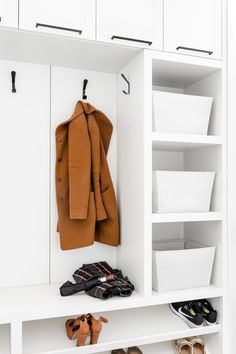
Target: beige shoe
(182, 346)
(198, 345)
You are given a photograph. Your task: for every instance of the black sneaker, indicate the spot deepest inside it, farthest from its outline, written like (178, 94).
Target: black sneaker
(189, 312)
(209, 314)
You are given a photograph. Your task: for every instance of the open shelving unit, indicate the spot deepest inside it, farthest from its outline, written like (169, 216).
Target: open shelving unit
(183, 142)
(179, 152)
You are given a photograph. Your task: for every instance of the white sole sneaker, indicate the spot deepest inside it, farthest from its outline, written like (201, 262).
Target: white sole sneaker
(189, 323)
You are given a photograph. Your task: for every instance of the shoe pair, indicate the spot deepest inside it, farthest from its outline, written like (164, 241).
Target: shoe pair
(195, 313)
(81, 327)
(131, 350)
(193, 345)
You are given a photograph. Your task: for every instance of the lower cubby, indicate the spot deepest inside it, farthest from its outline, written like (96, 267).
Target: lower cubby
(5, 339)
(208, 235)
(142, 326)
(211, 341)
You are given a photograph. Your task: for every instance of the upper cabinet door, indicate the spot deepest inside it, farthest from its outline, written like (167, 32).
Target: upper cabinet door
(193, 27)
(74, 18)
(130, 22)
(9, 13)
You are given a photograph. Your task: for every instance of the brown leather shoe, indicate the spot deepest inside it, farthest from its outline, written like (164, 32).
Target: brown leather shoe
(78, 328)
(118, 351)
(134, 350)
(82, 328)
(95, 327)
(69, 324)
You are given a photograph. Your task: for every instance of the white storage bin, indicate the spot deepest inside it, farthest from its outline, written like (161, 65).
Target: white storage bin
(181, 264)
(181, 114)
(181, 191)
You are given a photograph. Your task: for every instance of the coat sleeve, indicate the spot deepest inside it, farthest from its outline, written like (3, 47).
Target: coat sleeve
(79, 160)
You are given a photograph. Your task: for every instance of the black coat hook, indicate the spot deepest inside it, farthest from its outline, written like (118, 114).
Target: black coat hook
(84, 89)
(126, 93)
(13, 78)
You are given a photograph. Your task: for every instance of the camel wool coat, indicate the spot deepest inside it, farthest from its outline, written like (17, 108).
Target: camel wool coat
(86, 202)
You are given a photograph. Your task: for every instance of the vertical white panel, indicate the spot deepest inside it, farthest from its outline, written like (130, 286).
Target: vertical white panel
(24, 175)
(16, 337)
(66, 91)
(211, 86)
(232, 168)
(134, 172)
(209, 159)
(209, 234)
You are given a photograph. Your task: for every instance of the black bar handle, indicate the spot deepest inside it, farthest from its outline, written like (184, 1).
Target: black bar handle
(57, 27)
(195, 50)
(131, 39)
(13, 79)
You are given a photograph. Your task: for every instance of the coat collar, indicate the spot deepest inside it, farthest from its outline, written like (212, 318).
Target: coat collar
(80, 108)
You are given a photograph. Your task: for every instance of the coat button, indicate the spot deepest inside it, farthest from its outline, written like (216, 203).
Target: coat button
(58, 179)
(59, 159)
(61, 199)
(59, 139)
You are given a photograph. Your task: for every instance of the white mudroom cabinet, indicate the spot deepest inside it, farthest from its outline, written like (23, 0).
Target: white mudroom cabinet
(144, 28)
(75, 19)
(193, 27)
(43, 66)
(9, 13)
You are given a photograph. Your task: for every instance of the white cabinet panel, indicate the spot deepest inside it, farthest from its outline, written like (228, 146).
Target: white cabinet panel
(191, 25)
(74, 18)
(9, 13)
(140, 22)
(24, 174)
(66, 90)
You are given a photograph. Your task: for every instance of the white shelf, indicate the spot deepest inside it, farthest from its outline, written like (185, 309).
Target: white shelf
(183, 142)
(49, 49)
(125, 328)
(44, 301)
(187, 294)
(186, 217)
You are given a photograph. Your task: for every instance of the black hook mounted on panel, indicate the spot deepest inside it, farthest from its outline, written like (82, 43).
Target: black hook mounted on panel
(84, 96)
(13, 78)
(126, 93)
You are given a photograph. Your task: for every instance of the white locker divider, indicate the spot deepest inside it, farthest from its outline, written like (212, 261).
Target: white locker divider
(24, 188)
